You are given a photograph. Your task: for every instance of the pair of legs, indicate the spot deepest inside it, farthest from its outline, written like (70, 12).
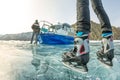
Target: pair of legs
(82, 50)
(83, 15)
(83, 27)
(35, 34)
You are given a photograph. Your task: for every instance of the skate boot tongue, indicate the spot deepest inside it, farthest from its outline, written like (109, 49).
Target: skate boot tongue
(82, 43)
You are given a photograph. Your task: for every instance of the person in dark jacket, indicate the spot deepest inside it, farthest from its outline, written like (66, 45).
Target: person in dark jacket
(36, 30)
(83, 30)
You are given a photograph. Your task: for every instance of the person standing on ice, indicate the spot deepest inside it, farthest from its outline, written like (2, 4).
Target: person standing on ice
(36, 30)
(81, 51)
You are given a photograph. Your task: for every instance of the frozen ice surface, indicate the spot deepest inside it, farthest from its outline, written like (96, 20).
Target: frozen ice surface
(22, 61)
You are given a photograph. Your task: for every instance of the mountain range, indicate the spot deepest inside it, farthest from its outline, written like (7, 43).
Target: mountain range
(20, 36)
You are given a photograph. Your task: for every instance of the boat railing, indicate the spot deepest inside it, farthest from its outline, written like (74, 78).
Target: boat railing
(63, 29)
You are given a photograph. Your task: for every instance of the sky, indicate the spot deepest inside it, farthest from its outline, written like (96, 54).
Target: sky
(17, 16)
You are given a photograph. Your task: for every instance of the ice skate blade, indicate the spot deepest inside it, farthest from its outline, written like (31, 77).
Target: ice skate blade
(76, 69)
(105, 64)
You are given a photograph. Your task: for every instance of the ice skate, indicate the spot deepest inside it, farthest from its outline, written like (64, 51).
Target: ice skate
(106, 54)
(79, 56)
